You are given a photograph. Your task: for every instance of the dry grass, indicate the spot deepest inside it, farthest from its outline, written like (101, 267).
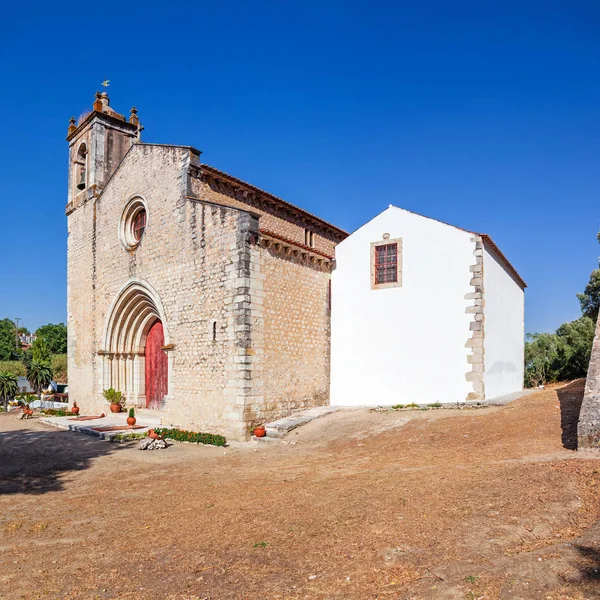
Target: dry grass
(437, 504)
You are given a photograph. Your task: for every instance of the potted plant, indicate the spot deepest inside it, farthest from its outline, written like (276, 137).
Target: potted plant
(260, 431)
(75, 409)
(152, 434)
(115, 398)
(26, 408)
(131, 418)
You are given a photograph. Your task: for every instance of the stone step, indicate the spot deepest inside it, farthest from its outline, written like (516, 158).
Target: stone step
(278, 428)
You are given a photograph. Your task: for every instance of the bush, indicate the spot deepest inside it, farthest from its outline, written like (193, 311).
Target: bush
(13, 366)
(181, 435)
(58, 363)
(559, 356)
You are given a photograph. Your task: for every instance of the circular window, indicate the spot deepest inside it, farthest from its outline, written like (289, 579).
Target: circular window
(133, 223)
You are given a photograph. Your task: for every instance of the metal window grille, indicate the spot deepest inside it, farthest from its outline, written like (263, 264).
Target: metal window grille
(386, 263)
(139, 224)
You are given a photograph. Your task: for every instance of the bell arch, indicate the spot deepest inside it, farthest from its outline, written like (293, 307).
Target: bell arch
(134, 310)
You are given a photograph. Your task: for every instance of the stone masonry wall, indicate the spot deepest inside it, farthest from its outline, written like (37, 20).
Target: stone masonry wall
(291, 292)
(476, 358)
(588, 428)
(296, 332)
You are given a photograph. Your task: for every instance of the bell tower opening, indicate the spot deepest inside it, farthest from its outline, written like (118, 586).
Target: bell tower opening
(98, 141)
(81, 167)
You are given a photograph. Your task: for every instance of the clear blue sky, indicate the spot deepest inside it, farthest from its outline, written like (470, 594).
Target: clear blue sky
(482, 114)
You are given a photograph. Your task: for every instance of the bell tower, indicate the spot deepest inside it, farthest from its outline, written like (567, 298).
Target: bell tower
(97, 144)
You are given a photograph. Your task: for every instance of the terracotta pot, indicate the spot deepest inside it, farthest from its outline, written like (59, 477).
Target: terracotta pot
(114, 407)
(260, 431)
(28, 411)
(152, 434)
(131, 421)
(75, 410)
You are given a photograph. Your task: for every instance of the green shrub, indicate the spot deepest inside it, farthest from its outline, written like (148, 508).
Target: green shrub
(113, 396)
(181, 435)
(398, 406)
(14, 367)
(57, 412)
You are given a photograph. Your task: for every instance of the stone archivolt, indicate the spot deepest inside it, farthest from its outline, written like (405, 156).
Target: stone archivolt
(134, 311)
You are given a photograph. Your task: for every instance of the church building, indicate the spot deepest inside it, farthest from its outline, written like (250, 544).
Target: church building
(197, 295)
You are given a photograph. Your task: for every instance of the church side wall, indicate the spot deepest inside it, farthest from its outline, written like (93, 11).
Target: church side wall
(291, 295)
(504, 314)
(296, 333)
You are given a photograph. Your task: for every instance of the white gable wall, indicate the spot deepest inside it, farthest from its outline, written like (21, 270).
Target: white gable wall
(404, 344)
(504, 328)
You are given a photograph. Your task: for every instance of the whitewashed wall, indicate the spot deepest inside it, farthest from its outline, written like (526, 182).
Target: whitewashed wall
(504, 313)
(404, 344)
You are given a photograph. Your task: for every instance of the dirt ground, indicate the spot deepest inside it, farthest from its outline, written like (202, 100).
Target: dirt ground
(492, 503)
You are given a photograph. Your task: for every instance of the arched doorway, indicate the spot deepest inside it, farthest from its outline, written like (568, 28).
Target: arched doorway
(133, 359)
(157, 366)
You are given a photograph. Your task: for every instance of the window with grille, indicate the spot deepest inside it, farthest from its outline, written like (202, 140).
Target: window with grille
(386, 264)
(139, 224)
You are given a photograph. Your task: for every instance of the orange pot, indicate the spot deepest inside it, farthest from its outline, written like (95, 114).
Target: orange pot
(260, 431)
(75, 410)
(114, 407)
(131, 421)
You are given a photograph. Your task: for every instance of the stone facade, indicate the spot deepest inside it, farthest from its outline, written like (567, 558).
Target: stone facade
(239, 278)
(588, 428)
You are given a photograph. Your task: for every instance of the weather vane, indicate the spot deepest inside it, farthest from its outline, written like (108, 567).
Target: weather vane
(105, 83)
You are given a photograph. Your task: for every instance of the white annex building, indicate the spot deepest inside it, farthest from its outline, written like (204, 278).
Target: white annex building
(423, 312)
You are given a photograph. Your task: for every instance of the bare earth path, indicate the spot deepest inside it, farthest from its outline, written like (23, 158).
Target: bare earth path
(490, 503)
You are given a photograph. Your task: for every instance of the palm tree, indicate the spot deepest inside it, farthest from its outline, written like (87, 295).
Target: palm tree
(39, 376)
(9, 387)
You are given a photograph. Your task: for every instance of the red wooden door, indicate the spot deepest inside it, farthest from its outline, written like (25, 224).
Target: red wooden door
(157, 366)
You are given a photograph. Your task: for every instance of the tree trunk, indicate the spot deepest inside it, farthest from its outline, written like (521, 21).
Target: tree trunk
(588, 429)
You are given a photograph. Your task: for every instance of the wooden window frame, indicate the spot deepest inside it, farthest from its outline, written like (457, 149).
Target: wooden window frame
(391, 284)
(138, 231)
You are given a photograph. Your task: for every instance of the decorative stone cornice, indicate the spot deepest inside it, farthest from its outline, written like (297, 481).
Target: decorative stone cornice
(289, 248)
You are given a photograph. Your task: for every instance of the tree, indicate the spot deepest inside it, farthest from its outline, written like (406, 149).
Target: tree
(7, 340)
(39, 376)
(59, 367)
(40, 352)
(541, 358)
(9, 387)
(590, 299)
(575, 347)
(54, 336)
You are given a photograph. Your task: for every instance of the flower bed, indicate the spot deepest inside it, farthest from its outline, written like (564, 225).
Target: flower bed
(180, 435)
(57, 412)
